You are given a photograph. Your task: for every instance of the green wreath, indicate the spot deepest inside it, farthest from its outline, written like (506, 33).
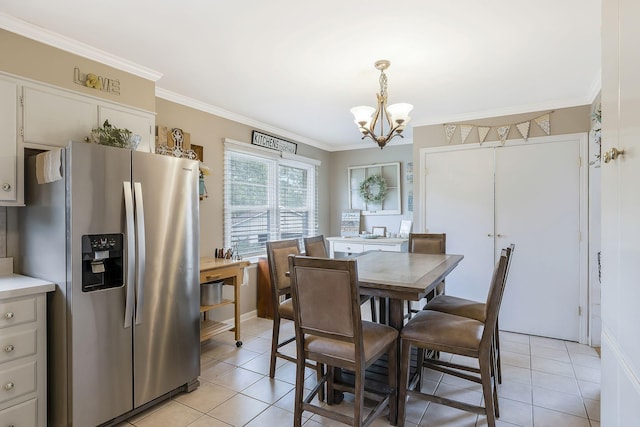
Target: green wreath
(373, 189)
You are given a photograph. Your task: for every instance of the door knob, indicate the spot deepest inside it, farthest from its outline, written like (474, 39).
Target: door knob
(6, 186)
(612, 154)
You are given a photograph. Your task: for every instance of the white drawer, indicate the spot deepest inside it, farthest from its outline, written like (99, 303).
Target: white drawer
(17, 311)
(354, 248)
(21, 415)
(387, 248)
(17, 381)
(14, 345)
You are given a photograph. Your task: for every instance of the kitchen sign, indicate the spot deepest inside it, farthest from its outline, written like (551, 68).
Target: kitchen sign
(273, 143)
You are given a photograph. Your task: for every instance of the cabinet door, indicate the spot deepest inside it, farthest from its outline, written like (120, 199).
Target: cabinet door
(538, 208)
(459, 202)
(137, 122)
(8, 140)
(53, 117)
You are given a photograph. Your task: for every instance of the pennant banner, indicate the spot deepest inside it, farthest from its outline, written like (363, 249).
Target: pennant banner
(523, 128)
(544, 123)
(483, 131)
(465, 130)
(449, 130)
(503, 132)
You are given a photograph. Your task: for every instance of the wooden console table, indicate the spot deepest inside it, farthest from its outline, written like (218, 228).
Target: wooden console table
(231, 272)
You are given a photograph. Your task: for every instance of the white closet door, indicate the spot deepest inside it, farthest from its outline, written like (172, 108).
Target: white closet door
(538, 208)
(459, 202)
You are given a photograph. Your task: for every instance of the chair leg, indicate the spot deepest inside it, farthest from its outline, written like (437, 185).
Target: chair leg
(359, 398)
(498, 359)
(405, 366)
(409, 309)
(299, 391)
(393, 383)
(319, 375)
(274, 345)
(487, 389)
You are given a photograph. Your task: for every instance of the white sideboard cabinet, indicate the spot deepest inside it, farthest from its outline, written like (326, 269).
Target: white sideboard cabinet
(356, 245)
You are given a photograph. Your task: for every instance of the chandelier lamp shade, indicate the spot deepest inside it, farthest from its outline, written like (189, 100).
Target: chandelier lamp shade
(384, 122)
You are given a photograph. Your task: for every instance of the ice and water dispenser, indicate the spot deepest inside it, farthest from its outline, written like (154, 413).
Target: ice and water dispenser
(102, 261)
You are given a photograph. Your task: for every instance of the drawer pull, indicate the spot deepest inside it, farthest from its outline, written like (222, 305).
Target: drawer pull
(9, 348)
(9, 315)
(9, 386)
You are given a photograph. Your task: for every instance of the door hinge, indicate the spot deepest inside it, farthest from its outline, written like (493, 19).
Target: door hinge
(579, 161)
(579, 310)
(21, 131)
(21, 101)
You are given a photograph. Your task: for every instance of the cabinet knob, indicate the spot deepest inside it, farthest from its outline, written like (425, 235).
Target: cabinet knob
(6, 186)
(9, 386)
(9, 315)
(9, 348)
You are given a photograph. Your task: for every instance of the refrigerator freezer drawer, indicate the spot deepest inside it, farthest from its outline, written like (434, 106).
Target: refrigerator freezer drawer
(17, 381)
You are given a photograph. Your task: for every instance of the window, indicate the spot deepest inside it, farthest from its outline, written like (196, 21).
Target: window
(267, 197)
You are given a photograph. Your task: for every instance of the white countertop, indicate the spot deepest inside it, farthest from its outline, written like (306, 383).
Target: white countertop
(16, 285)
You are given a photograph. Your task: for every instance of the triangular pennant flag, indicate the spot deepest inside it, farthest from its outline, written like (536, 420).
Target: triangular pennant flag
(449, 130)
(503, 132)
(483, 131)
(465, 130)
(544, 123)
(523, 128)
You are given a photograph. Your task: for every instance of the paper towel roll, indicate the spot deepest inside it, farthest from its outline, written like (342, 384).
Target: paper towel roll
(48, 166)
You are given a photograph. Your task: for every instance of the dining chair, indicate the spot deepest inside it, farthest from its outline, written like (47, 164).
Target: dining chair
(427, 243)
(315, 246)
(473, 310)
(277, 257)
(457, 335)
(330, 332)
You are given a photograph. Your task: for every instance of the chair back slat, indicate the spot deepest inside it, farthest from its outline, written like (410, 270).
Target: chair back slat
(325, 297)
(315, 246)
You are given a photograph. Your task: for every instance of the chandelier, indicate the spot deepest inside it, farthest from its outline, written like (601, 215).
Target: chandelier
(396, 116)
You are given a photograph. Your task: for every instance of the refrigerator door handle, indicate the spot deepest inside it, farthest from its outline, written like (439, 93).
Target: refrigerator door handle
(131, 248)
(141, 254)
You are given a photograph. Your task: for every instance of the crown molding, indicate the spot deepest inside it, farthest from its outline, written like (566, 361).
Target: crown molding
(499, 112)
(70, 45)
(229, 115)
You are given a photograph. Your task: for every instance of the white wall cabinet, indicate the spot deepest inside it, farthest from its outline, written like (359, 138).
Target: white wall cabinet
(38, 116)
(532, 194)
(139, 123)
(8, 141)
(54, 117)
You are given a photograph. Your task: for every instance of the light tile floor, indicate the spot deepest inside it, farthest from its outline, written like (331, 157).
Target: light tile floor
(546, 382)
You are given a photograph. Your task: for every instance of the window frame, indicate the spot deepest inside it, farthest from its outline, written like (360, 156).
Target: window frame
(274, 207)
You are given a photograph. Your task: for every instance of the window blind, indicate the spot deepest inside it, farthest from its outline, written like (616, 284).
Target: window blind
(267, 198)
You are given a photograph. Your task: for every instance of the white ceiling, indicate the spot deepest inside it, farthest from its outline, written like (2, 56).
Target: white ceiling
(295, 68)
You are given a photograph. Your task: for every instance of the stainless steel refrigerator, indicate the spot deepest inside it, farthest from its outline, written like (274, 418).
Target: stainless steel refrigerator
(119, 235)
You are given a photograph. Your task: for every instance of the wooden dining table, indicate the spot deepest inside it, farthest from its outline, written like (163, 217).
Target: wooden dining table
(402, 276)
